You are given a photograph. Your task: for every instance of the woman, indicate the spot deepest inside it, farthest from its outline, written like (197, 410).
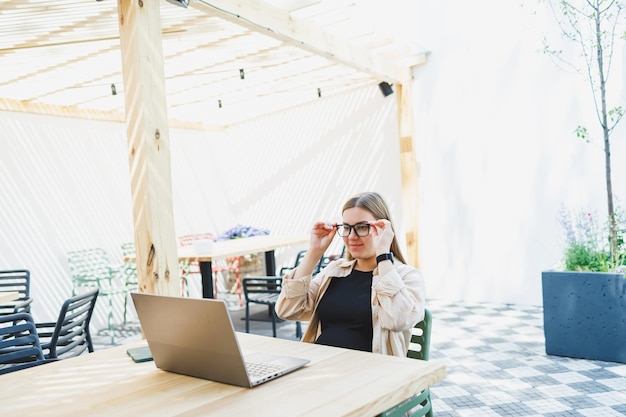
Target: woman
(369, 301)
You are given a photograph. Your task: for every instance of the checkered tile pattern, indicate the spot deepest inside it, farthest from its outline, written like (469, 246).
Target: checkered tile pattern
(495, 361)
(497, 366)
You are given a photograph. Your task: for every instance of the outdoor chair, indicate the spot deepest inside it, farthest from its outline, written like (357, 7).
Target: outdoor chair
(286, 269)
(69, 336)
(264, 290)
(92, 268)
(129, 269)
(318, 267)
(230, 265)
(17, 280)
(19, 343)
(419, 348)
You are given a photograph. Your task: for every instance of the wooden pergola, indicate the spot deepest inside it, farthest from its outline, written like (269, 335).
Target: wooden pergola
(216, 60)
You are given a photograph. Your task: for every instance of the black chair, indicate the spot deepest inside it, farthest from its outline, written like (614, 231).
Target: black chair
(17, 280)
(286, 269)
(419, 348)
(264, 290)
(69, 336)
(19, 343)
(318, 267)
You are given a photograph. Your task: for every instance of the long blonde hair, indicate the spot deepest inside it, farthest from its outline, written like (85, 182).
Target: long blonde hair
(375, 204)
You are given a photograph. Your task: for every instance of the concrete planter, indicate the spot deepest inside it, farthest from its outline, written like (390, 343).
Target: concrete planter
(584, 315)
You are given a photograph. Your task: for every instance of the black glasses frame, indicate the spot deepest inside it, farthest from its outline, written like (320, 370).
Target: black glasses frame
(342, 226)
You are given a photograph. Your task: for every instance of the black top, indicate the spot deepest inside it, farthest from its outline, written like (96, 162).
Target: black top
(345, 312)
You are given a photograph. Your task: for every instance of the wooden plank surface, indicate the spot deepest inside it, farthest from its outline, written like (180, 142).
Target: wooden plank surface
(336, 382)
(9, 296)
(235, 247)
(240, 247)
(148, 146)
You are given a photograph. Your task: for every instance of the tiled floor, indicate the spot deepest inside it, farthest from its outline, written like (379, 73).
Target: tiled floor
(496, 364)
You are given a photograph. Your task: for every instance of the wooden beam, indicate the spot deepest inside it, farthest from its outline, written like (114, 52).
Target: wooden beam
(374, 55)
(410, 174)
(149, 146)
(25, 106)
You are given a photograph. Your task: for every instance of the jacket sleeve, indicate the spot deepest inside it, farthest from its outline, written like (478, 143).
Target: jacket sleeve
(400, 298)
(297, 297)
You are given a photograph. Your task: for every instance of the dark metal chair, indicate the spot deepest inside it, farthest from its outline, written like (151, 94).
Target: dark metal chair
(264, 290)
(318, 267)
(69, 336)
(419, 405)
(17, 280)
(19, 343)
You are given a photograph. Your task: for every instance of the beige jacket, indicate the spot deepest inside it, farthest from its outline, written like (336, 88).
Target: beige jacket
(398, 300)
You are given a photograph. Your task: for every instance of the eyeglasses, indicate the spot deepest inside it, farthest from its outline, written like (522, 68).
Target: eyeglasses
(361, 229)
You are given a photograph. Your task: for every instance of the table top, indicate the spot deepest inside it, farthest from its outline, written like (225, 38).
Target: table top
(236, 247)
(107, 382)
(9, 296)
(240, 247)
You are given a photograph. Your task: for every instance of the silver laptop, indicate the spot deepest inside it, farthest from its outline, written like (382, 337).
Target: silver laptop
(196, 337)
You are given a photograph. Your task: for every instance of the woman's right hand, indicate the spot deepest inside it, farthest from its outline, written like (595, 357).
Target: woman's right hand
(322, 236)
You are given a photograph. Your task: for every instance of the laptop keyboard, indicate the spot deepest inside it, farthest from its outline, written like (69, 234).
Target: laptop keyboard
(258, 369)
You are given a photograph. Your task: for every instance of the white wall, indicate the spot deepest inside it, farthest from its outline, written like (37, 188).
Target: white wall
(494, 142)
(495, 121)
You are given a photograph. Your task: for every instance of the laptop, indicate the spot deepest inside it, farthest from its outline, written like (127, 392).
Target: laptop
(196, 337)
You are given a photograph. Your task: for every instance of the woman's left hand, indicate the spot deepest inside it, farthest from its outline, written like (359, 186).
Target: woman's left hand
(382, 235)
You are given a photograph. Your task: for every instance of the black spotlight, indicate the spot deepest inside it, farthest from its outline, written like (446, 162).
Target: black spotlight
(113, 90)
(385, 88)
(181, 3)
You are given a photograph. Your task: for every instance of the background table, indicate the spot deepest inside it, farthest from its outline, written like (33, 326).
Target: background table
(237, 247)
(231, 248)
(337, 382)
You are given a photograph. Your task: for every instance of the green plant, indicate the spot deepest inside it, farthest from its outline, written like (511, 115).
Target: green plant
(587, 246)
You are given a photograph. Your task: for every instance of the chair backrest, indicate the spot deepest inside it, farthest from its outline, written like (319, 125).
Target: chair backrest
(89, 267)
(17, 280)
(318, 267)
(419, 347)
(188, 240)
(262, 290)
(19, 343)
(71, 336)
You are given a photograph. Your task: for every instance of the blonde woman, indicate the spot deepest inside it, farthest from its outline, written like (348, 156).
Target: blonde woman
(368, 301)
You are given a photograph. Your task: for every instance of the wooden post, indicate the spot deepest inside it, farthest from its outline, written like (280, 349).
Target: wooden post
(408, 165)
(148, 146)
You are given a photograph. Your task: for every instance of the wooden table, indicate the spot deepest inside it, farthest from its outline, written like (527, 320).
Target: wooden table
(9, 296)
(232, 248)
(337, 382)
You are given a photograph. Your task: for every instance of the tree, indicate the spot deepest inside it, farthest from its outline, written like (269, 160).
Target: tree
(594, 27)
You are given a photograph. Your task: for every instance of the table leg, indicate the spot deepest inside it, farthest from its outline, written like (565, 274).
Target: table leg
(206, 272)
(270, 263)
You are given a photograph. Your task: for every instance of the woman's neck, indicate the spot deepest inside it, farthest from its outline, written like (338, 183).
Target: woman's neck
(365, 264)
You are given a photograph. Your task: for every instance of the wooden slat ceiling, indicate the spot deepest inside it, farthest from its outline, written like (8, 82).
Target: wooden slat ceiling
(62, 56)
